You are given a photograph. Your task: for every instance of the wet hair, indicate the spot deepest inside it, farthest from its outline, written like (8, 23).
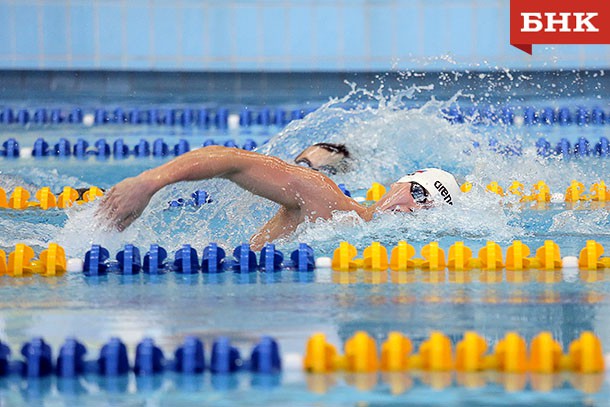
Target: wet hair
(334, 148)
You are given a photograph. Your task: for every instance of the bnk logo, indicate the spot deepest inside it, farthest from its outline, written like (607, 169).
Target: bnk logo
(533, 22)
(559, 22)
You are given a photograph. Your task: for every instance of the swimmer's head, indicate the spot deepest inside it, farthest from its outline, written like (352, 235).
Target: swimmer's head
(440, 185)
(421, 189)
(326, 157)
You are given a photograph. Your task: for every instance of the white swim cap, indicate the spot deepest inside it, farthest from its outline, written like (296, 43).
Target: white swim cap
(441, 185)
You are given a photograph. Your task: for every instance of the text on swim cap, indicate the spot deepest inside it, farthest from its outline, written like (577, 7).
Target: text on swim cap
(443, 191)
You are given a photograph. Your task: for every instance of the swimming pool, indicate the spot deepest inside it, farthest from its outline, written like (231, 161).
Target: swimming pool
(390, 133)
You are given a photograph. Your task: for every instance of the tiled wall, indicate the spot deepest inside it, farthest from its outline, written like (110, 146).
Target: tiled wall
(271, 35)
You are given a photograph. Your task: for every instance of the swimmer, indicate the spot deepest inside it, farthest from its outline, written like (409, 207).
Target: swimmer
(302, 193)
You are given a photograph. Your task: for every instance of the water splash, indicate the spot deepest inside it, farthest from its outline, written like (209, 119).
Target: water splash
(387, 141)
(388, 137)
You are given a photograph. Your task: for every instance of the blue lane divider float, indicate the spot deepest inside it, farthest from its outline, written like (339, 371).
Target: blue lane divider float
(71, 359)
(23, 117)
(185, 116)
(581, 148)
(160, 148)
(10, 148)
(303, 258)
(249, 145)
(142, 149)
(186, 260)
(149, 358)
(6, 116)
(96, 261)
(182, 147)
(129, 260)
(222, 118)
(134, 116)
(119, 149)
(102, 149)
(204, 117)
(4, 355)
(213, 259)
(154, 260)
(529, 116)
(62, 148)
(40, 116)
(271, 259)
(56, 116)
(38, 360)
(244, 259)
(198, 198)
(41, 148)
(80, 148)
(113, 360)
(344, 189)
(602, 148)
(75, 116)
(225, 358)
(264, 117)
(543, 147)
(245, 117)
(190, 357)
(265, 357)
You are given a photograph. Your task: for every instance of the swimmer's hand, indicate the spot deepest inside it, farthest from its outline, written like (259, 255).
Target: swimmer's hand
(124, 202)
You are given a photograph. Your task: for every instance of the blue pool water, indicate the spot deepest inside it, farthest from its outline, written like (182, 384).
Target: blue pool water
(390, 132)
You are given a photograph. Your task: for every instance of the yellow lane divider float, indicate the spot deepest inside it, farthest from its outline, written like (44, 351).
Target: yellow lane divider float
(20, 198)
(510, 354)
(541, 193)
(460, 257)
(375, 192)
(20, 262)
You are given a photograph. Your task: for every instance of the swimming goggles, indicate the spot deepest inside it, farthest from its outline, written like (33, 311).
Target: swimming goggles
(419, 194)
(304, 162)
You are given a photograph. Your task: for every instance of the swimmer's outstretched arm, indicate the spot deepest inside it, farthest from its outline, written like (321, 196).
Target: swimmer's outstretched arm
(293, 187)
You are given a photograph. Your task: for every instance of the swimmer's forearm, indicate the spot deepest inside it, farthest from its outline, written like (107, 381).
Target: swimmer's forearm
(204, 163)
